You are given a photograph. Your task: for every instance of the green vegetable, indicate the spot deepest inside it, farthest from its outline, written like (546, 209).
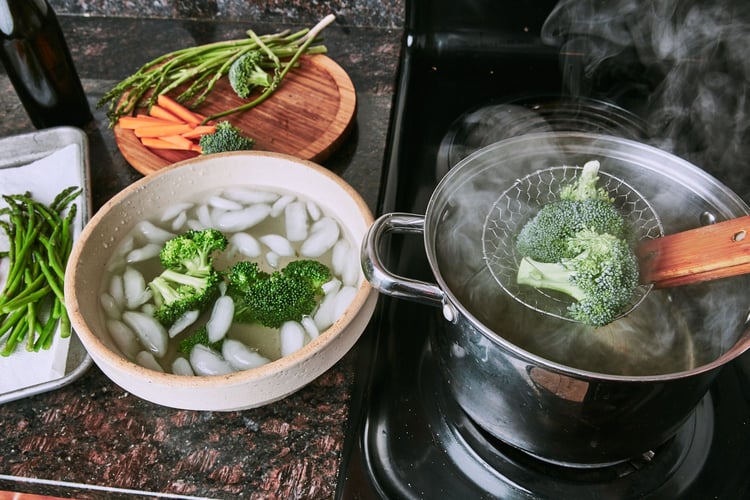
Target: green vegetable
(227, 137)
(315, 273)
(579, 245)
(242, 276)
(245, 75)
(177, 293)
(582, 205)
(584, 186)
(602, 277)
(275, 298)
(41, 237)
(189, 281)
(195, 70)
(199, 336)
(544, 237)
(191, 251)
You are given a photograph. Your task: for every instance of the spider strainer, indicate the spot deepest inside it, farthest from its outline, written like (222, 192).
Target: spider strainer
(522, 201)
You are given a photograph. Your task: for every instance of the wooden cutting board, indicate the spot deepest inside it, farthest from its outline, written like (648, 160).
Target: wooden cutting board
(307, 117)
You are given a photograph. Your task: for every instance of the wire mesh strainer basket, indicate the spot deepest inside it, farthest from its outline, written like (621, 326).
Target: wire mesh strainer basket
(519, 203)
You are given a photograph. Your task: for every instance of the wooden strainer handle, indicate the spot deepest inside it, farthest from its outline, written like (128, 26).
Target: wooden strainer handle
(716, 251)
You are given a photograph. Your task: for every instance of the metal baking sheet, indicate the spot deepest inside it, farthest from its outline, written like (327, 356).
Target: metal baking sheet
(20, 150)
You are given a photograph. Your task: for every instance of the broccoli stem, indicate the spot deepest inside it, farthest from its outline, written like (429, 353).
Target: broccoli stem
(184, 279)
(551, 276)
(164, 292)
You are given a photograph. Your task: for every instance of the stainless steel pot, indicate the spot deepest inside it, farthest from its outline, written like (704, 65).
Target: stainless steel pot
(561, 391)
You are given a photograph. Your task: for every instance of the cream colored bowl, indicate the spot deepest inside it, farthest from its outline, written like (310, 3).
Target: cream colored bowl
(150, 196)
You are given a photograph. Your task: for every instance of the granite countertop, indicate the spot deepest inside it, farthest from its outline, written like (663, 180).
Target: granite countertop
(91, 439)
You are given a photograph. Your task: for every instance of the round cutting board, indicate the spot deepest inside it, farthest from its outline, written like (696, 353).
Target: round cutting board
(307, 117)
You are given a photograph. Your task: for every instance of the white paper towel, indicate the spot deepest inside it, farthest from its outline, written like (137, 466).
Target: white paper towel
(44, 178)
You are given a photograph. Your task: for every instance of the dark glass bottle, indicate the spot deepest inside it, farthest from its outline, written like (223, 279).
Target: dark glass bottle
(39, 65)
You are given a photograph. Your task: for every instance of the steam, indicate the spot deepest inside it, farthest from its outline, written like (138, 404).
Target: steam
(683, 64)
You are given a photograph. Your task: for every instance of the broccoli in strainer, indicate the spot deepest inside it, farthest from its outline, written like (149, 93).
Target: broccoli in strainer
(578, 245)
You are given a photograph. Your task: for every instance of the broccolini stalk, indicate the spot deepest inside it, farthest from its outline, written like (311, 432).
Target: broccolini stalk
(197, 69)
(279, 76)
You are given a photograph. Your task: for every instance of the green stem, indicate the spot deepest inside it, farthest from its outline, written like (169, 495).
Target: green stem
(41, 240)
(310, 37)
(30, 325)
(44, 341)
(15, 324)
(197, 68)
(21, 301)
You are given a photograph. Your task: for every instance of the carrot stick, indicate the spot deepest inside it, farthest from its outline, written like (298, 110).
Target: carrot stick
(179, 110)
(162, 130)
(158, 143)
(159, 112)
(138, 121)
(199, 130)
(178, 140)
(196, 147)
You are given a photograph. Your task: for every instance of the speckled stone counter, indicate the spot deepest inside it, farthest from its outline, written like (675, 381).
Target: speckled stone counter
(91, 439)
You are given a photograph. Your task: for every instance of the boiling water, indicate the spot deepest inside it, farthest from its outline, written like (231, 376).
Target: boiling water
(671, 331)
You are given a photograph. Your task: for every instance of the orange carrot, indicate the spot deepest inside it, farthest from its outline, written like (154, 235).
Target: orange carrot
(138, 121)
(159, 112)
(179, 110)
(162, 130)
(178, 140)
(158, 143)
(196, 147)
(199, 130)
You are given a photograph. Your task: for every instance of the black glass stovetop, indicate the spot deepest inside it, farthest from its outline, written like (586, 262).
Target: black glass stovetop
(470, 75)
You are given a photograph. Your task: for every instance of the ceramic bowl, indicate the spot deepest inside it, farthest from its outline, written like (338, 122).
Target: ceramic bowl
(148, 197)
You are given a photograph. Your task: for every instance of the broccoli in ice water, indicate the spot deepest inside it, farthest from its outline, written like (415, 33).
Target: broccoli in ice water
(272, 299)
(189, 281)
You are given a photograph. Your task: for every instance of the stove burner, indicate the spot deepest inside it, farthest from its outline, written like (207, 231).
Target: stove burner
(496, 121)
(497, 465)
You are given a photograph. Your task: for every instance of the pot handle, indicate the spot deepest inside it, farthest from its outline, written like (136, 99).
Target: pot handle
(384, 280)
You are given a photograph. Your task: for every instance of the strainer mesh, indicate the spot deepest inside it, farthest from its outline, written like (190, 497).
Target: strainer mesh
(522, 201)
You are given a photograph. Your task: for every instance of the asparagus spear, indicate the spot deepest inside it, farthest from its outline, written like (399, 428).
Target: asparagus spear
(41, 238)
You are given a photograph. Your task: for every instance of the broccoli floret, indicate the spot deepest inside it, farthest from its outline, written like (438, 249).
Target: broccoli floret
(191, 251)
(176, 293)
(315, 273)
(244, 274)
(189, 281)
(280, 298)
(227, 137)
(240, 277)
(275, 298)
(199, 336)
(602, 277)
(245, 74)
(544, 237)
(584, 186)
(582, 205)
